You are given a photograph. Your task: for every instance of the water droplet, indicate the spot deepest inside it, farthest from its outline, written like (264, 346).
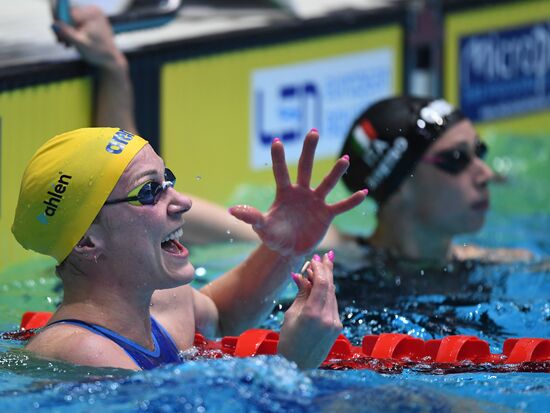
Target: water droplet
(198, 177)
(231, 240)
(200, 272)
(228, 232)
(421, 272)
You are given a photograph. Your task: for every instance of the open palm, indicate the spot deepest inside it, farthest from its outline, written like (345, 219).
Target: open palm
(299, 216)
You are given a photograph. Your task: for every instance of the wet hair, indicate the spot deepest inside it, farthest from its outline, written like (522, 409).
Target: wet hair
(389, 138)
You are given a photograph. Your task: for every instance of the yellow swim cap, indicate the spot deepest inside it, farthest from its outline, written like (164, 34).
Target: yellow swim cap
(65, 185)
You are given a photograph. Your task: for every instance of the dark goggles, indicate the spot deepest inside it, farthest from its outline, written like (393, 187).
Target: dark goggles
(454, 161)
(149, 192)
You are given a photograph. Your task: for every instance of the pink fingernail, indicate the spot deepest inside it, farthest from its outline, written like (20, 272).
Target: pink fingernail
(316, 258)
(314, 130)
(295, 277)
(230, 210)
(276, 140)
(345, 157)
(366, 191)
(331, 255)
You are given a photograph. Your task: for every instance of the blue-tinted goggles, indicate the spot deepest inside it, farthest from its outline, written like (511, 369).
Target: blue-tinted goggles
(149, 192)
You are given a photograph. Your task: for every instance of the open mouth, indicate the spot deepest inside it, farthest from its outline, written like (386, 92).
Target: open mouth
(171, 243)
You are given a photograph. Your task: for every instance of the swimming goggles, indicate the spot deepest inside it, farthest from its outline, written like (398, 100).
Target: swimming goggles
(454, 161)
(148, 193)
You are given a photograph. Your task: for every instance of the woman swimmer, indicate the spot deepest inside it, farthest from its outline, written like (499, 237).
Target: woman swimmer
(422, 161)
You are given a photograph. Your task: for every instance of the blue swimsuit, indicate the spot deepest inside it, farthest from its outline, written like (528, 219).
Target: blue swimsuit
(165, 350)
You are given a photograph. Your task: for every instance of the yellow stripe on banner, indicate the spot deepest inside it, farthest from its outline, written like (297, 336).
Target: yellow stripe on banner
(29, 116)
(205, 108)
(485, 19)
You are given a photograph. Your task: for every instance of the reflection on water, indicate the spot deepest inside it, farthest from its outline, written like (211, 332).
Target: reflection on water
(493, 302)
(380, 295)
(262, 384)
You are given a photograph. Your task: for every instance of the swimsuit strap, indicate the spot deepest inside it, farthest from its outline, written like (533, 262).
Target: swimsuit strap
(165, 350)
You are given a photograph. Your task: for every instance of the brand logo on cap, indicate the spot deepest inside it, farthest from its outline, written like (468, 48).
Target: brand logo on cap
(119, 141)
(55, 197)
(387, 163)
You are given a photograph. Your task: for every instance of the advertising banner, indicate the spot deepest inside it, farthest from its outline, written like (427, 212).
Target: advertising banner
(328, 94)
(505, 72)
(221, 112)
(497, 65)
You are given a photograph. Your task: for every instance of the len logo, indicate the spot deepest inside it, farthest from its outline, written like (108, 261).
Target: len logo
(55, 197)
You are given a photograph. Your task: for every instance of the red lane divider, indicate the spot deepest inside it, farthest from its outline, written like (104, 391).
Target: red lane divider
(37, 319)
(388, 353)
(394, 346)
(455, 349)
(526, 349)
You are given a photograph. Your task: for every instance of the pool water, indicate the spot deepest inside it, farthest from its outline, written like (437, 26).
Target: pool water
(492, 302)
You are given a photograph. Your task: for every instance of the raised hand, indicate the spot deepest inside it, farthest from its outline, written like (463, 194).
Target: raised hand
(312, 323)
(299, 216)
(92, 36)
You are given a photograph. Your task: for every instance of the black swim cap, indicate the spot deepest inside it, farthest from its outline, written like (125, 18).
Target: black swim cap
(386, 142)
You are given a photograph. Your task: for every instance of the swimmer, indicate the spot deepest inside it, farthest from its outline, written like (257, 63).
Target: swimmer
(103, 204)
(422, 161)
(93, 37)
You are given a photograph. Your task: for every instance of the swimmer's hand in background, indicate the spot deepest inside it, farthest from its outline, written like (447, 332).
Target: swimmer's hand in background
(312, 323)
(92, 36)
(299, 216)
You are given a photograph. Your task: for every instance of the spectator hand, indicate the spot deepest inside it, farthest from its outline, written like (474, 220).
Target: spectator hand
(312, 323)
(92, 36)
(299, 217)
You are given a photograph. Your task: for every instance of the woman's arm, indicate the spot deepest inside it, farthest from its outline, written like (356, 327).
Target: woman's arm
(294, 225)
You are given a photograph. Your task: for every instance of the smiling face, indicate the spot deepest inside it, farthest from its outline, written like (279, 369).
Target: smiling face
(144, 239)
(450, 203)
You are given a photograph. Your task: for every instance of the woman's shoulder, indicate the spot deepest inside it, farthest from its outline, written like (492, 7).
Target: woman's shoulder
(491, 255)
